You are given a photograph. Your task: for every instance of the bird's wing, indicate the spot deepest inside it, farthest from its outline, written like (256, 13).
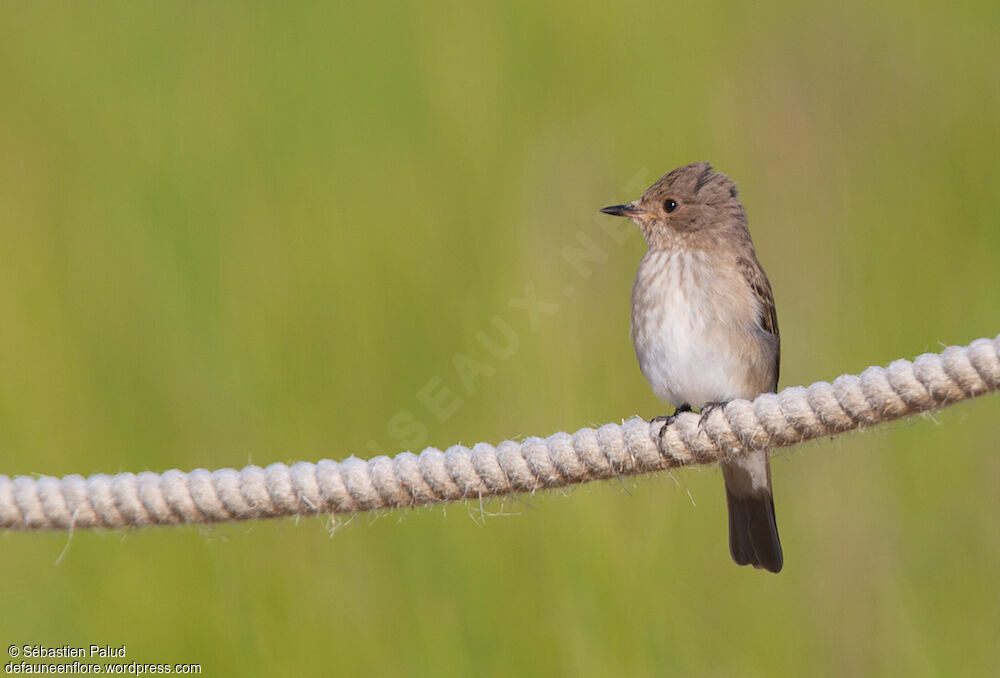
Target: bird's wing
(757, 279)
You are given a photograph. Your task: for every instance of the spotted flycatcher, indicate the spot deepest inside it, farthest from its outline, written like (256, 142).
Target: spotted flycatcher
(705, 329)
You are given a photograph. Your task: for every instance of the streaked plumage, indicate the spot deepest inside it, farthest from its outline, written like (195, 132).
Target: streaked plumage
(705, 329)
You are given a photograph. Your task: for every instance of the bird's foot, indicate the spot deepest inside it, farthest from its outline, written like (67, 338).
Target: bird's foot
(668, 419)
(706, 410)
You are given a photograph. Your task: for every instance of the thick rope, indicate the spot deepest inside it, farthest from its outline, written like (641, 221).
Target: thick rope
(772, 420)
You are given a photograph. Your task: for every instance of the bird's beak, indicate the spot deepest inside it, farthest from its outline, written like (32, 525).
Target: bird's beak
(629, 210)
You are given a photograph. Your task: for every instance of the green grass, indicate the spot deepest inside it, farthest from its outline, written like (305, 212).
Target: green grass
(252, 233)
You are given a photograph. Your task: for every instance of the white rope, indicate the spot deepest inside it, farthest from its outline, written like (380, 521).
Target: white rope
(772, 420)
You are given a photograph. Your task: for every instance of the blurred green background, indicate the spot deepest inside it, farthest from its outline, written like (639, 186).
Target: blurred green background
(239, 232)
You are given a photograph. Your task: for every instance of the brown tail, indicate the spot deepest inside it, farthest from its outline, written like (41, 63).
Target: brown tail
(753, 531)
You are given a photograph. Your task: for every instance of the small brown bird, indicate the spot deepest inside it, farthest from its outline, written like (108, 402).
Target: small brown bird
(705, 329)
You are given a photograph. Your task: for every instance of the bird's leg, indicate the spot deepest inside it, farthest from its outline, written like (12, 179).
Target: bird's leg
(668, 419)
(706, 410)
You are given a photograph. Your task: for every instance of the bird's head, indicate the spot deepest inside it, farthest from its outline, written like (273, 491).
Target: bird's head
(691, 200)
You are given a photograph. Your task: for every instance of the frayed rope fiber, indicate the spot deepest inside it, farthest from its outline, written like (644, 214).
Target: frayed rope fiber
(796, 414)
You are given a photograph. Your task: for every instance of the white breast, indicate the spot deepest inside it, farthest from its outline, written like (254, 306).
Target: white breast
(691, 329)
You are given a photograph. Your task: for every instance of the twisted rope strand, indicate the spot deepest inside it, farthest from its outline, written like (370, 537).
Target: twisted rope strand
(794, 415)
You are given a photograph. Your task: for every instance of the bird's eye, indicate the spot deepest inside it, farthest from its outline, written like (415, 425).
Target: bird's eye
(669, 204)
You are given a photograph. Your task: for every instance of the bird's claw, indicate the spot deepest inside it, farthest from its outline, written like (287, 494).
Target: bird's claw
(706, 410)
(669, 419)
